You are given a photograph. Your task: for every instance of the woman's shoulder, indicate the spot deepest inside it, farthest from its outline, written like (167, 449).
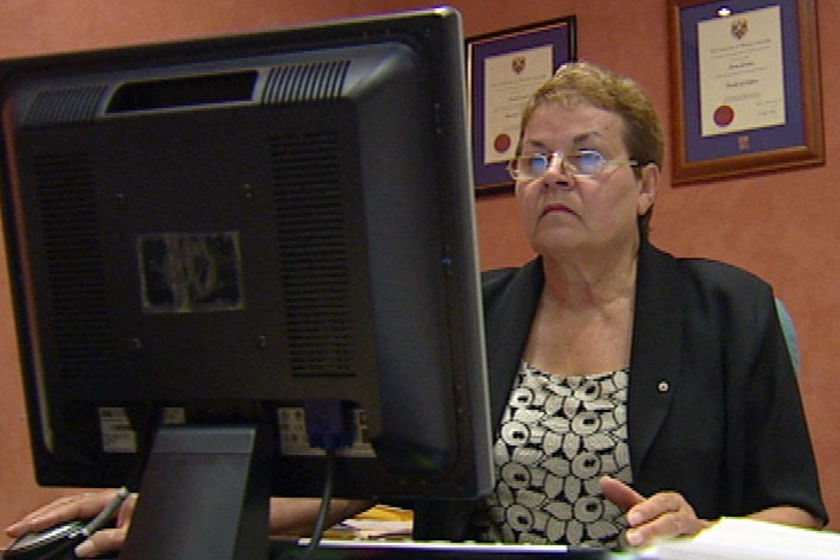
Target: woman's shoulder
(712, 273)
(720, 291)
(719, 275)
(513, 290)
(498, 280)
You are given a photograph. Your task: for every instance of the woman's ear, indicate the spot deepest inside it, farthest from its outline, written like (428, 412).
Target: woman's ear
(649, 182)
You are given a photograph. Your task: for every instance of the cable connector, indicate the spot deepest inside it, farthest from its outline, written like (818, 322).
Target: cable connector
(330, 424)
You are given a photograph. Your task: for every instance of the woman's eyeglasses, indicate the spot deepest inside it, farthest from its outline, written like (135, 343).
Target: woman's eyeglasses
(587, 164)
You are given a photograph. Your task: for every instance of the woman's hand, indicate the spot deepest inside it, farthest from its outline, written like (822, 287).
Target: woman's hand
(80, 506)
(665, 514)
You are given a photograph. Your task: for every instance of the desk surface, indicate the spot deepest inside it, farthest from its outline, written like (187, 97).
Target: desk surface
(385, 550)
(287, 550)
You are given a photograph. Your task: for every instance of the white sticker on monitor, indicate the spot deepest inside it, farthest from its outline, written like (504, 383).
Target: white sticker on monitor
(117, 434)
(173, 416)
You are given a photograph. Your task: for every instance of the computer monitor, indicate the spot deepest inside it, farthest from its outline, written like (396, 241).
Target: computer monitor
(268, 230)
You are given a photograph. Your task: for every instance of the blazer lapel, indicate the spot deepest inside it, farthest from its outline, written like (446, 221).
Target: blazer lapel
(656, 348)
(508, 324)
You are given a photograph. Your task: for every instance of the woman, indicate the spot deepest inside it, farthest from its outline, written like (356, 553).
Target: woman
(627, 366)
(636, 394)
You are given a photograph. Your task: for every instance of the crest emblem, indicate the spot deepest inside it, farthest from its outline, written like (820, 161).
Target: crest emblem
(518, 64)
(739, 28)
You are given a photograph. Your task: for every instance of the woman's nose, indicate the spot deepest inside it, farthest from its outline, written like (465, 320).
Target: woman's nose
(557, 171)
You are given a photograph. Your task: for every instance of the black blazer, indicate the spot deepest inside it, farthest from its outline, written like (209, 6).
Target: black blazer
(714, 410)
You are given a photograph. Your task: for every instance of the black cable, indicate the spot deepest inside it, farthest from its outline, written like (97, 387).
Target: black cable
(326, 499)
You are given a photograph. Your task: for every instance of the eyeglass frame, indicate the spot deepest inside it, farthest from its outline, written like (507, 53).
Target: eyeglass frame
(566, 167)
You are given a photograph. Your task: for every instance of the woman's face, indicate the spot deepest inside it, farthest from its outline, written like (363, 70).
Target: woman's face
(563, 213)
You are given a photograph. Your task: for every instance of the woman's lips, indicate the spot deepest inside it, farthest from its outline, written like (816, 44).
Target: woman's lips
(555, 208)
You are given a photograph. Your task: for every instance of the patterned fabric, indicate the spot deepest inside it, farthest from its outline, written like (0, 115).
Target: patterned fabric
(558, 436)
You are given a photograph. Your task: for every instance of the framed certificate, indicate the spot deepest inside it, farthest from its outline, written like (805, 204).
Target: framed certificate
(503, 69)
(745, 77)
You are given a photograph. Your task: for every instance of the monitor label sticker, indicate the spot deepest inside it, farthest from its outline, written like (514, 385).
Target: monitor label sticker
(117, 434)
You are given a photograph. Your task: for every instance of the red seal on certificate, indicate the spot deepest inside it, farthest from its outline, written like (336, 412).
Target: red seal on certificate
(502, 143)
(724, 115)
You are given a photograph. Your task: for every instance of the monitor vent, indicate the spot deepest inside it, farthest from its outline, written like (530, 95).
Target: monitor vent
(65, 106)
(305, 82)
(313, 254)
(67, 200)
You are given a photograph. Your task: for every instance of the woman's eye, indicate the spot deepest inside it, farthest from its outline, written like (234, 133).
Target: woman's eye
(588, 160)
(538, 163)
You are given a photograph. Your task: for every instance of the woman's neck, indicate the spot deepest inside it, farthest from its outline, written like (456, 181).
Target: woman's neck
(590, 309)
(591, 280)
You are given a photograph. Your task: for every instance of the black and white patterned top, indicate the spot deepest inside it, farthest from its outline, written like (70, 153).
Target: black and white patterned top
(558, 436)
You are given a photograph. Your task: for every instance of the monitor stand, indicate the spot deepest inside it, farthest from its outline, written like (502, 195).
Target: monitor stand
(204, 496)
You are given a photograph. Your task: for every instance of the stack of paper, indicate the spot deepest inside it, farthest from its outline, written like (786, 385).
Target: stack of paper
(378, 522)
(746, 539)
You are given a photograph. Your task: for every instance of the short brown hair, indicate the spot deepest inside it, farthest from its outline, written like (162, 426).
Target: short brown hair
(583, 81)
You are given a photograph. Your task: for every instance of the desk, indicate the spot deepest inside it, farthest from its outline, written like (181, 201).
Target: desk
(404, 550)
(286, 550)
